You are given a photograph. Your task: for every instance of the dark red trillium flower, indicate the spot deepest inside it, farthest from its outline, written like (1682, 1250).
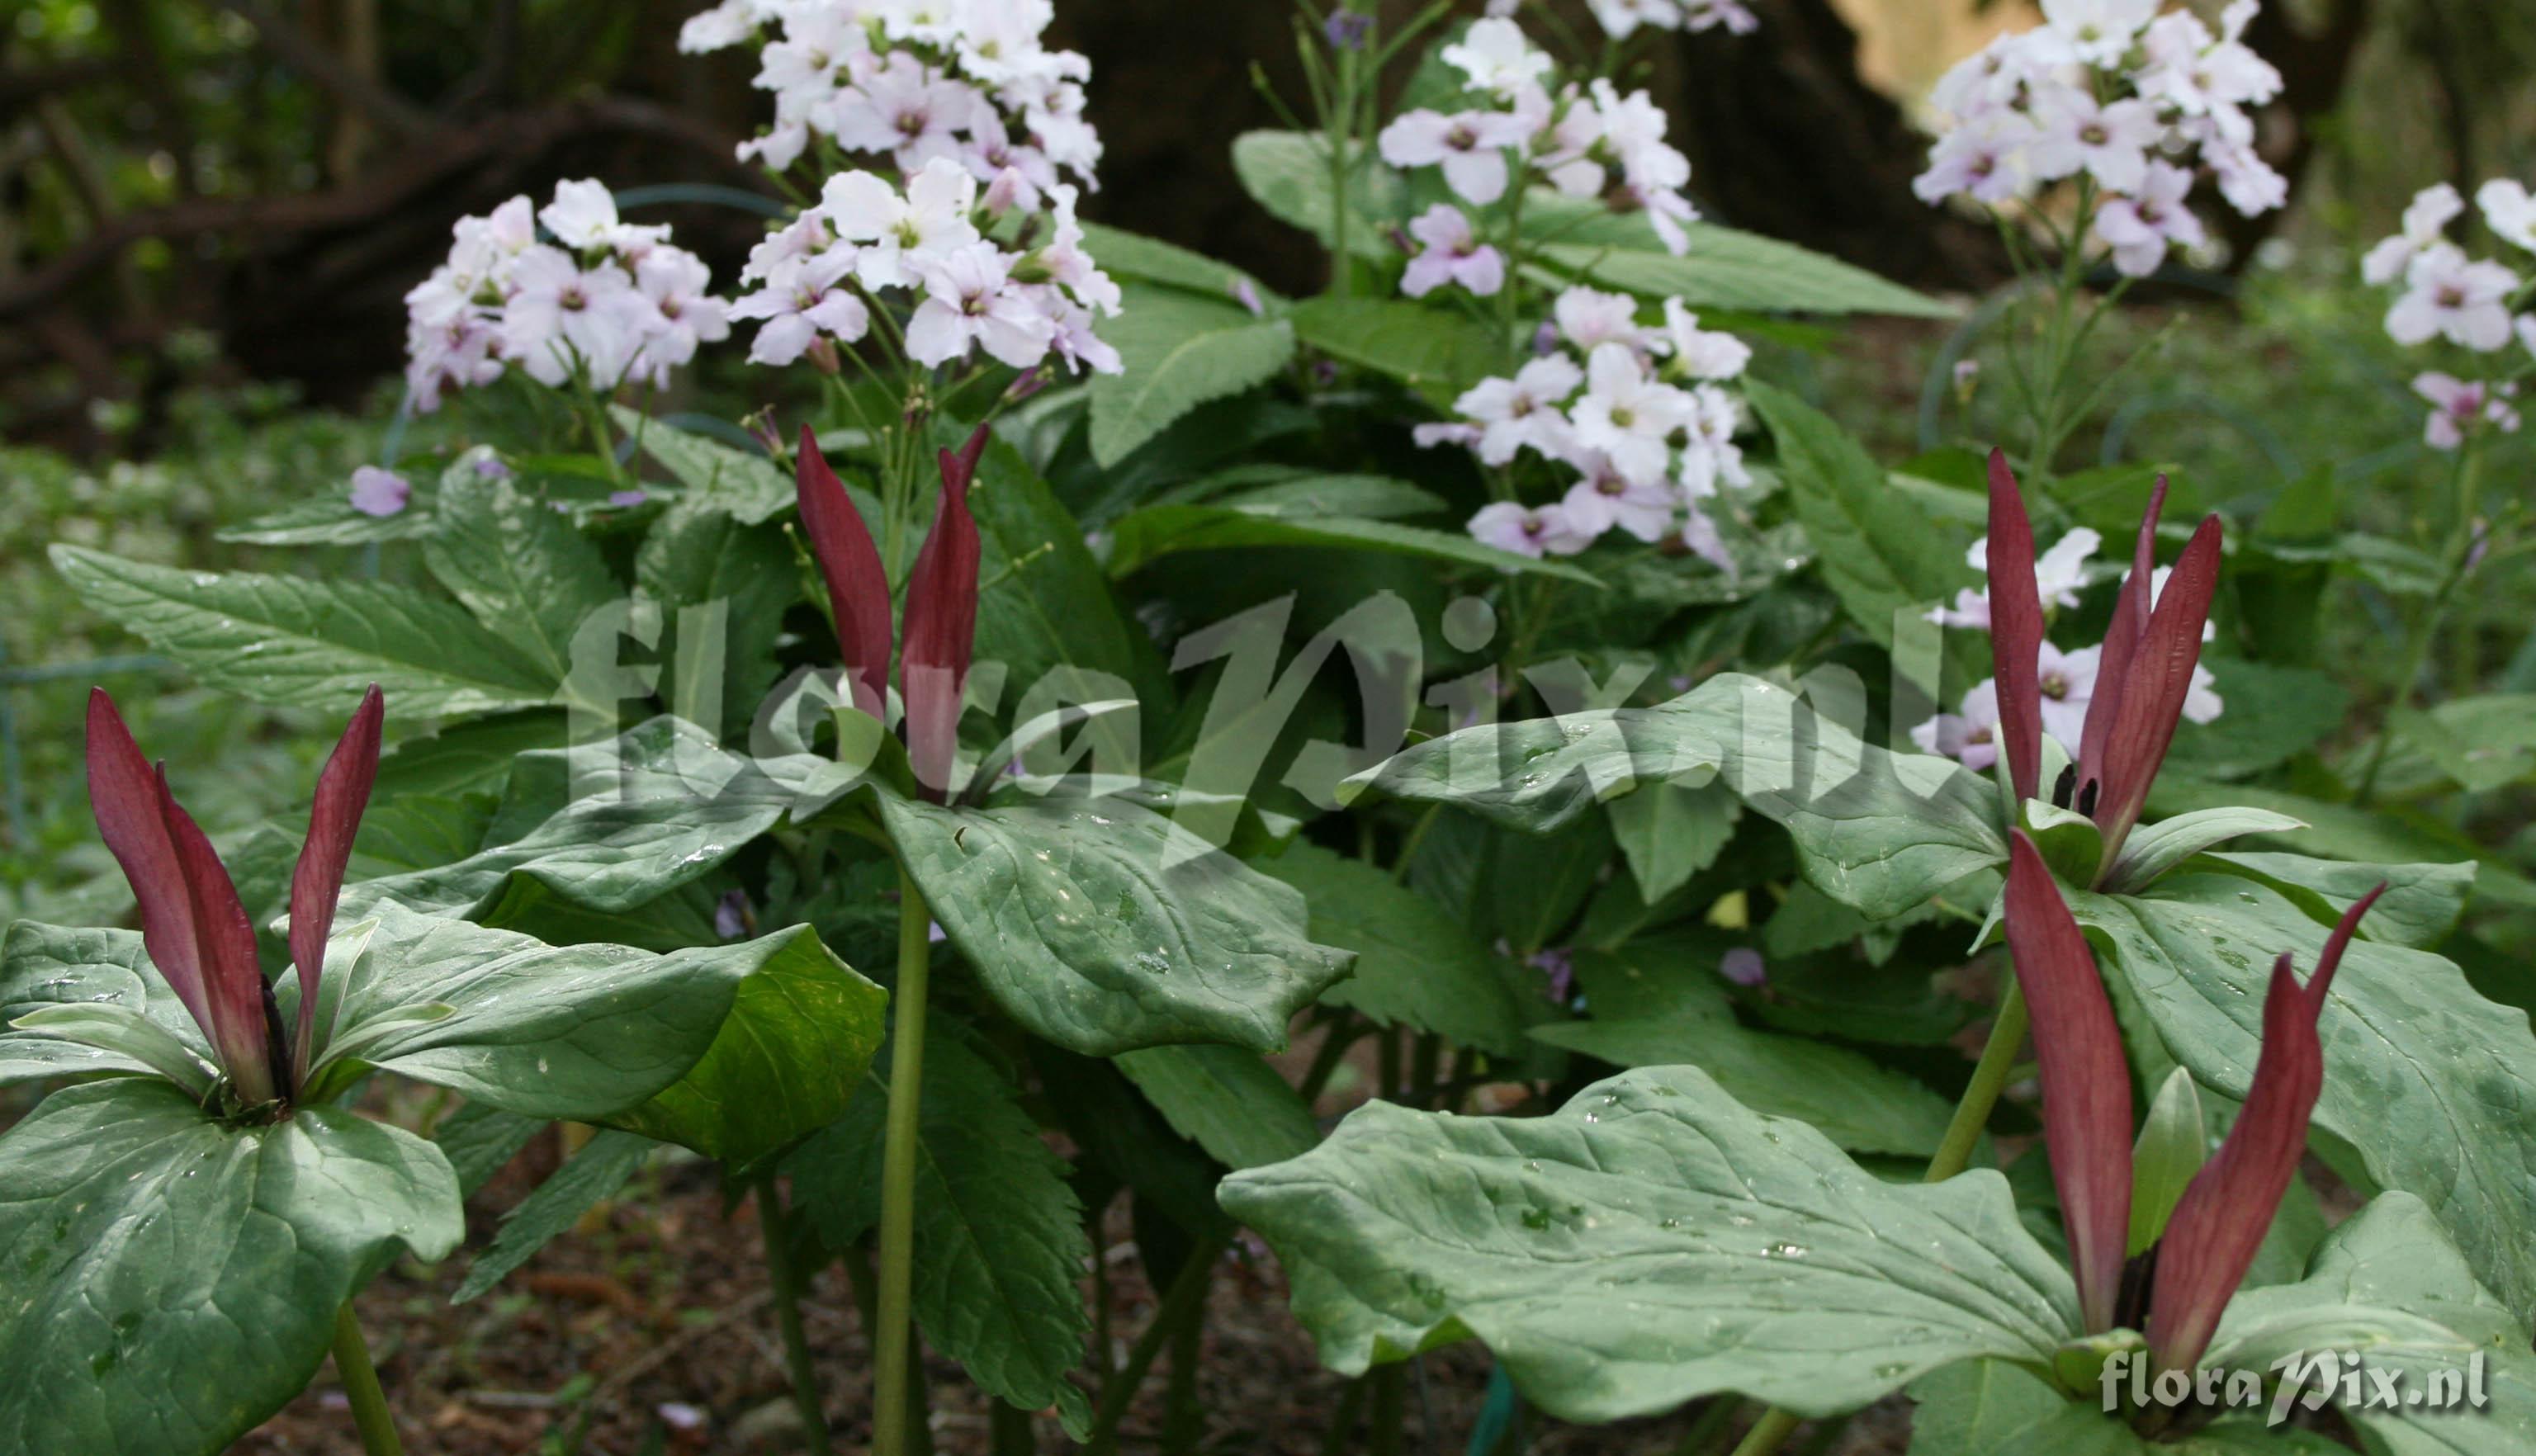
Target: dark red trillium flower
(2189, 1275)
(192, 923)
(941, 624)
(2142, 677)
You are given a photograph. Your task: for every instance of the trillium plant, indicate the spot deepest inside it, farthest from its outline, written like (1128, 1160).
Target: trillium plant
(1059, 777)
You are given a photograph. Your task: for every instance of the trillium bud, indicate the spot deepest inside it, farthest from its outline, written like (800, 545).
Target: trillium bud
(941, 624)
(857, 589)
(342, 794)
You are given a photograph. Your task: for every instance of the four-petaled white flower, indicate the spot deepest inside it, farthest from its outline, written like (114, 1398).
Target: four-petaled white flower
(803, 297)
(1450, 253)
(1629, 415)
(1470, 146)
(902, 232)
(2447, 293)
(2509, 211)
(969, 298)
(1524, 411)
(2425, 226)
(1494, 55)
(2460, 407)
(2108, 140)
(1528, 530)
(2143, 225)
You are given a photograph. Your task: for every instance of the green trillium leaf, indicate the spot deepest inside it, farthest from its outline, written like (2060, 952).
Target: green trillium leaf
(173, 1281)
(1652, 1241)
(1878, 831)
(2155, 848)
(1103, 926)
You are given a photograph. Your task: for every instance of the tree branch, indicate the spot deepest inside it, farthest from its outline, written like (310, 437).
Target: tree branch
(390, 112)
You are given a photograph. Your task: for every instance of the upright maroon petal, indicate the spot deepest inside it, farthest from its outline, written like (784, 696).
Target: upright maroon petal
(2086, 1084)
(2016, 630)
(941, 624)
(2220, 1222)
(123, 792)
(858, 587)
(343, 793)
(2122, 640)
(242, 1031)
(2159, 677)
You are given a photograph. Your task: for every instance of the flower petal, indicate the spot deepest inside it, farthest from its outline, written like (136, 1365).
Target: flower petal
(2122, 641)
(941, 623)
(343, 793)
(2086, 1083)
(2153, 689)
(2220, 1222)
(245, 1030)
(2016, 630)
(123, 792)
(858, 587)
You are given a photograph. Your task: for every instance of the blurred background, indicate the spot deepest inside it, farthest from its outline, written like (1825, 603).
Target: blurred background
(210, 212)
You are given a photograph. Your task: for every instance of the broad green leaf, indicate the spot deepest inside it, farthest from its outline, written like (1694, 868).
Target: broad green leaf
(1227, 1101)
(1140, 536)
(2272, 713)
(1650, 1242)
(1000, 1243)
(611, 825)
(1722, 268)
(709, 472)
(296, 643)
(2390, 1285)
(2420, 907)
(524, 572)
(1881, 832)
(1103, 926)
(2344, 832)
(47, 968)
(1288, 173)
(1426, 349)
(1849, 1098)
(733, 1051)
(2154, 849)
(1883, 562)
(1283, 491)
(2425, 1080)
(1669, 833)
(173, 1281)
(328, 519)
(1044, 603)
(1415, 964)
(2477, 744)
(595, 1172)
(1178, 351)
(477, 1140)
(463, 758)
(723, 587)
(2173, 1145)
(1124, 254)
(1990, 1408)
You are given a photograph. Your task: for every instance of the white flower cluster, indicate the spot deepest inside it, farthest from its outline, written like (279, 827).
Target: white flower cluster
(1586, 142)
(610, 298)
(2067, 679)
(818, 278)
(917, 80)
(1620, 18)
(1644, 449)
(2112, 89)
(2471, 302)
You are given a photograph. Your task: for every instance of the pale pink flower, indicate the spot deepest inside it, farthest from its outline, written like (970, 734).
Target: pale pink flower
(1453, 253)
(1528, 530)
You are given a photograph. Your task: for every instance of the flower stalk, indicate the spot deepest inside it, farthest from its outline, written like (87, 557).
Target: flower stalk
(370, 1414)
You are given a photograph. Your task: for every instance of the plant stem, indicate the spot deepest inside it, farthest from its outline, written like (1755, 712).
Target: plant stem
(892, 1338)
(1703, 1428)
(1011, 1427)
(1181, 1303)
(1342, 1423)
(1980, 1095)
(1963, 1134)
(370, 1412)
(1387, 1410)
(2459, 558)
(781, 1278)
(1768, 1433)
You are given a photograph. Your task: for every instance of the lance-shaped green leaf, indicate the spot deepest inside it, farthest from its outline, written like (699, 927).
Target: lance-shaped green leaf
(2420, 904)
(593, 1174)
(1142, 535)
(2154, 849)
(292, 642)
(1002, 1245)
(1229, 1102)
(520, 567)
(1877, 831)
(725, 478)
(173, 1281)
(1650, 1242)
(2424, 1079)
(611, 826)
(1415, 964)
(2391, 1285)
(1103, 926)
(47, 968)
(1178, 351)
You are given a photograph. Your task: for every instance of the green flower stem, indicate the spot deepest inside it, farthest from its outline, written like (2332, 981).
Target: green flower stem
(782, 1281)
(892, 1338)
(2463, 479)
(1767, 1433)
(1989, 1078)
(1388, 1410)
(1182, 1303)
(370, 1412)
(1963, 1133)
